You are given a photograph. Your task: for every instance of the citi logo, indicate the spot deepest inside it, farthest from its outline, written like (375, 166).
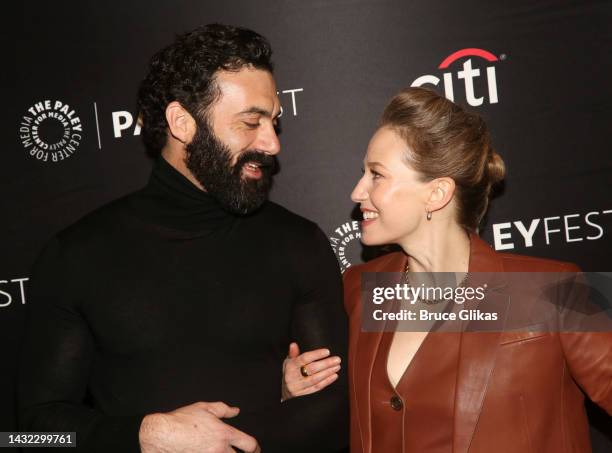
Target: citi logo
(467, 74)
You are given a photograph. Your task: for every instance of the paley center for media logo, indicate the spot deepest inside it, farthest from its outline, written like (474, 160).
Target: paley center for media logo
(468, 73)
(345, 243)
(50, 131)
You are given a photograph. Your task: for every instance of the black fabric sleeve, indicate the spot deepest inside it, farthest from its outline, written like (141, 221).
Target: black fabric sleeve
(317, 422)
(55, 363)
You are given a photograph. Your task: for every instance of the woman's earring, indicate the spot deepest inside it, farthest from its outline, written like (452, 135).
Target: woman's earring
(428, 215)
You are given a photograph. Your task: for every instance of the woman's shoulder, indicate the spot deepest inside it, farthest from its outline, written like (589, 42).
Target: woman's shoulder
(523, 263)
(484, 258)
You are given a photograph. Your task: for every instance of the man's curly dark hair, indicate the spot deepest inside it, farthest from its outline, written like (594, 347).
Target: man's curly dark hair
(185, 72)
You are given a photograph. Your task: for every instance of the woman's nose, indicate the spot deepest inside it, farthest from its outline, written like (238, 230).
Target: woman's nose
(360, 192)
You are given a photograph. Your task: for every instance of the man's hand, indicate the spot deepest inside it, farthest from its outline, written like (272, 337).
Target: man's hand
(321, 369)
(196, 428)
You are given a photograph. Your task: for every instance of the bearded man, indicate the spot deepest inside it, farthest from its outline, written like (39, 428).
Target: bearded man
(160, 322)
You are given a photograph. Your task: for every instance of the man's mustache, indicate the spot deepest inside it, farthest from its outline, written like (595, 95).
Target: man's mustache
(265, 161)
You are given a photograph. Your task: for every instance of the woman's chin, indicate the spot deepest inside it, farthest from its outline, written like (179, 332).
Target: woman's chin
(371, 240)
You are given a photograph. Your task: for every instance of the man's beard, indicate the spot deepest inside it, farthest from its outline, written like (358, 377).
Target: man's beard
(210, 162)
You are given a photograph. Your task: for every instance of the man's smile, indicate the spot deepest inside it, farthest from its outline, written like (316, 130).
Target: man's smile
(252, 170)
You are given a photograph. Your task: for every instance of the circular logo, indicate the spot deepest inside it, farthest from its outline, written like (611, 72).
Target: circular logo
(50, 131)
(345, 243)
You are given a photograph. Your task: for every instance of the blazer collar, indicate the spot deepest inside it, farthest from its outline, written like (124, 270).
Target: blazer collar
(486, 265)
(482, 257)
(366, 350)
(478, 352)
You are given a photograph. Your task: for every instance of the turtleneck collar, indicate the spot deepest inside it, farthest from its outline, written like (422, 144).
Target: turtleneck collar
(171, 200)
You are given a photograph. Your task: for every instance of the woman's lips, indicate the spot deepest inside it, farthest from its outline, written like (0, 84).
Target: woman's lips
(369, 217)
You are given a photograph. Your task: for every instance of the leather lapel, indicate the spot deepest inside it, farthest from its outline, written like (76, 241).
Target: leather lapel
(478, 349)
(367, 347)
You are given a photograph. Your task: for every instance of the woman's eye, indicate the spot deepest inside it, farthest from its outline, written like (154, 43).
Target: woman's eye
(375, 174)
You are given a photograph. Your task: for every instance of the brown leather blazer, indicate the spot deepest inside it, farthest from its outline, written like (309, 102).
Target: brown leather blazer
(514, 392)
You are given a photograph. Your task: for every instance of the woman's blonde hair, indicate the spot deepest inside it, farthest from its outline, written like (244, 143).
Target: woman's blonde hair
(444, 140)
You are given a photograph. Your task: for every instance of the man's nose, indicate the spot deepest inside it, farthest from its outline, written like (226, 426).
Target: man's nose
(268, 140)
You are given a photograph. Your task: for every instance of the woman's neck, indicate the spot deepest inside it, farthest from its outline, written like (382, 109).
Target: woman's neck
(439, 247)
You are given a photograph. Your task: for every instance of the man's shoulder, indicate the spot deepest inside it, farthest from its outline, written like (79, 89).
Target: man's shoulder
(90, 236)
(283, 219)
(292, 232)
(97, 223)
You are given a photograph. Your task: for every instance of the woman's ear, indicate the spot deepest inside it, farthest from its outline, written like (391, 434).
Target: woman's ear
(181, 124)
(441, 193)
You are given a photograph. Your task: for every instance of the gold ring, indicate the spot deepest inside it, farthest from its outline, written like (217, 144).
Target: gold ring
(303, 371)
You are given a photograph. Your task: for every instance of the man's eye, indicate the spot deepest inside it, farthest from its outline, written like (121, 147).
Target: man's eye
(277, 127)
(251, 125)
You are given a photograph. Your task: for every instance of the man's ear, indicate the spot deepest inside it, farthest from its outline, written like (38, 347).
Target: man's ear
(181, 124)
(441, 193)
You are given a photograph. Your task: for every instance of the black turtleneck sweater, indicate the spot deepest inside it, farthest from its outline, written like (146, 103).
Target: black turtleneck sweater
(161, 299)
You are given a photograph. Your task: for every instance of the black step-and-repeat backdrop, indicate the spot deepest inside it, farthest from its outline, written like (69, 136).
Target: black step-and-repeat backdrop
(538, 71)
